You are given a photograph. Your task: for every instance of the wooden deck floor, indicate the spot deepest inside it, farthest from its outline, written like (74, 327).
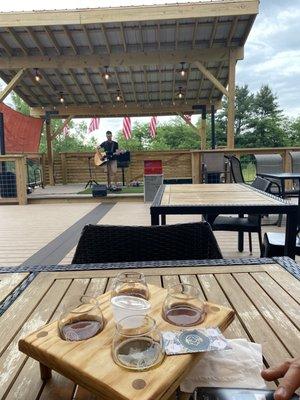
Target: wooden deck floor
(25, 230)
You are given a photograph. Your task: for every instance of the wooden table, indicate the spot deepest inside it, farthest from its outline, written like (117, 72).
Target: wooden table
(232, 198)
(264, 293)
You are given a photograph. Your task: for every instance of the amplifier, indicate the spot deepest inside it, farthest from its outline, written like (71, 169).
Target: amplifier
(99, 190)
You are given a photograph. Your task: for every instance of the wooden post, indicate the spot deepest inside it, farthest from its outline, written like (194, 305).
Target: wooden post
(195, 160)
(49, 152)
(203, 128)
(21, 178)
(231, 101)
(44, 168)
(63, 168)
(287, 168)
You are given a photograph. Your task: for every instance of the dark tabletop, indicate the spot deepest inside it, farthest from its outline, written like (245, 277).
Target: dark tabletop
(282, 175)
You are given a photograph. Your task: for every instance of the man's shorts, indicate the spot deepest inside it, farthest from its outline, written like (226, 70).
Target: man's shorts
(111, 167)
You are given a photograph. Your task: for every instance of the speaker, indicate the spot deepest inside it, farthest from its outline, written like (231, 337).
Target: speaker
(99, 190)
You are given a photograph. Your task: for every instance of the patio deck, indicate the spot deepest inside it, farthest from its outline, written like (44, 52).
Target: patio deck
(48, 233)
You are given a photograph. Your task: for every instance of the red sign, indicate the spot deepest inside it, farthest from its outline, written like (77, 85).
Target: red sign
(152, 167)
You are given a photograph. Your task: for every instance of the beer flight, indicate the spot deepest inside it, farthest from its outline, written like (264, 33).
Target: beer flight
(137, 343)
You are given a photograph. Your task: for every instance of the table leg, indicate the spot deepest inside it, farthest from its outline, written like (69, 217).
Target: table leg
(241, 238)
(290, 234)
(154, 219)
(163, 219)
(46, 372)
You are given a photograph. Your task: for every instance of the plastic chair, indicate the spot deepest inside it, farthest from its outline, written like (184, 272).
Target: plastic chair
(269, 163)
(108, 243)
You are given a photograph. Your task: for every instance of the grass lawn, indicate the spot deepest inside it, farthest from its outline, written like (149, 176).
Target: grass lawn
(129, 189)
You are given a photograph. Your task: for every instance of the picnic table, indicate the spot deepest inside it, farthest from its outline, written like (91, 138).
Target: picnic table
(265, 294)
(231, 198)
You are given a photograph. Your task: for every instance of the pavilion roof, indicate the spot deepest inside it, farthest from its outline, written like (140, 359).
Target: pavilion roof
(143, 48)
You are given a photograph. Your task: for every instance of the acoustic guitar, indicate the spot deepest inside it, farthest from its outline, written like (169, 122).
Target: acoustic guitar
(100, 158)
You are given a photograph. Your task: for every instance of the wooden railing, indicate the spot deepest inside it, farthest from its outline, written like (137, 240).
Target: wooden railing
(73, 167)
(15, 186)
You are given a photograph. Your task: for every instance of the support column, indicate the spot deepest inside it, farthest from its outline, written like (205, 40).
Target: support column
(213, 128)
(231, 101)
(203, 128)
(2, 142)
(49, 151)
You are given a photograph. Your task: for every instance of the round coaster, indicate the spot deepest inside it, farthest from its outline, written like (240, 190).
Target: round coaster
(138, 384)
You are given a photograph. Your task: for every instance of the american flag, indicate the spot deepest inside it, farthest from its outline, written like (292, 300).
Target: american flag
(94, 125)
(188, 117)
(66, 130)
(152, 127)
(127, 127)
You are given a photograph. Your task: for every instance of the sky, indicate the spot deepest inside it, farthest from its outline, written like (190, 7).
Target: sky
(272, 51)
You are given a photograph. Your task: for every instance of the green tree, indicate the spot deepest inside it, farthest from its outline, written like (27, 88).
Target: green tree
(293, 132)
(19, 104)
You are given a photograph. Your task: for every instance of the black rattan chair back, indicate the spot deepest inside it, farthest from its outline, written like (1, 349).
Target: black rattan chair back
(108, 243)
(295, 158)
(236, 169)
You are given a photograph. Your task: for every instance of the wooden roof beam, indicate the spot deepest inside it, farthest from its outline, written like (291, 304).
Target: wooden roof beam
(66, 88)
(71, 40)
(52, 39)
(217, 76)
(120, 59)
(155, 108)
(146, 82)
(40, 88)
(85, 30)
(11, 85)
(187, 82)
(92, 85)
(133, 85)
(132, 13)
(107, 45)
(141, 36)
(123, 37)
(232, 30)
(36, 40)
(173, 85)
(211, 77)
(6, 47)
(107, 91)
(18, 40)
(213, 32)
(78, 86)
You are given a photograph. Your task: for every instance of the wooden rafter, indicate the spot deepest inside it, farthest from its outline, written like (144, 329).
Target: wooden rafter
(53, 40)
(18, 40)
(86, 72)
(133, 85)
(123, 37)
(85, 30)
(219, 70)
(248, 29)
(74, 77)
(11, 85)
(232, 30)
(158, 36)
(5, 46)
(187, 82)
(119, 86)
(106, 88)
(213, 32)
(66, 88)
(194, 34)
(141, 36)
(176, 35)
(159, 83)
(188, 122)
(211, 77)
(106, 40)
(120, 59)
(146, 82)
(40, 88)
(173, 85)
(133, 13)
(71, 40)
(36, 40)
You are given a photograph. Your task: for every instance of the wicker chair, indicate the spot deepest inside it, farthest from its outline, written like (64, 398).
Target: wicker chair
(108, 243)
(250, 224)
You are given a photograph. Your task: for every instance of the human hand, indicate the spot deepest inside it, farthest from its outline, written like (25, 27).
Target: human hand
(290, 374)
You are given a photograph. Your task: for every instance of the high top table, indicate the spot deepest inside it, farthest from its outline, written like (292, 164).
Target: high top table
(283, 176)
(232, 198)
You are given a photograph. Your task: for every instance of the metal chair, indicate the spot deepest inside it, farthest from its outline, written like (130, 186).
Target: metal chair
(236, 169)
(108, 243)
(213, 165)
(295, 158)
(250, 224)
(270, 163)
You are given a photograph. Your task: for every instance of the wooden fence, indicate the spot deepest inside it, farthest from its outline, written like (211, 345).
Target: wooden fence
(73, 167)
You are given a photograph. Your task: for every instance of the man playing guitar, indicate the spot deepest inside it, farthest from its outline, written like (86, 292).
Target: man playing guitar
(111, 151)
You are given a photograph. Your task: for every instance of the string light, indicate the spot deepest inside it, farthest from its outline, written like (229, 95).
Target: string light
(180, 94)
(37, 75)
(118, 98)
(61, 99)
(182, 71)
(106, 74)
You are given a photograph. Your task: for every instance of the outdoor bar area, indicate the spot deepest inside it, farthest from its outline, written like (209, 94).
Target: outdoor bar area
(127, 274)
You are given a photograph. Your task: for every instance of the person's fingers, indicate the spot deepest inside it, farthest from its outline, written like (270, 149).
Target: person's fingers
(276, 372)
(290, 382)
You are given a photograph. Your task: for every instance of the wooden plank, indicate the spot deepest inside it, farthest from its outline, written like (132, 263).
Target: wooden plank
(8, 282)
(11, 85)
(125, 14)
(252, 320)
(211, 77)
(21, 178)
(281, 297)
(287, 282)
(275, 317)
